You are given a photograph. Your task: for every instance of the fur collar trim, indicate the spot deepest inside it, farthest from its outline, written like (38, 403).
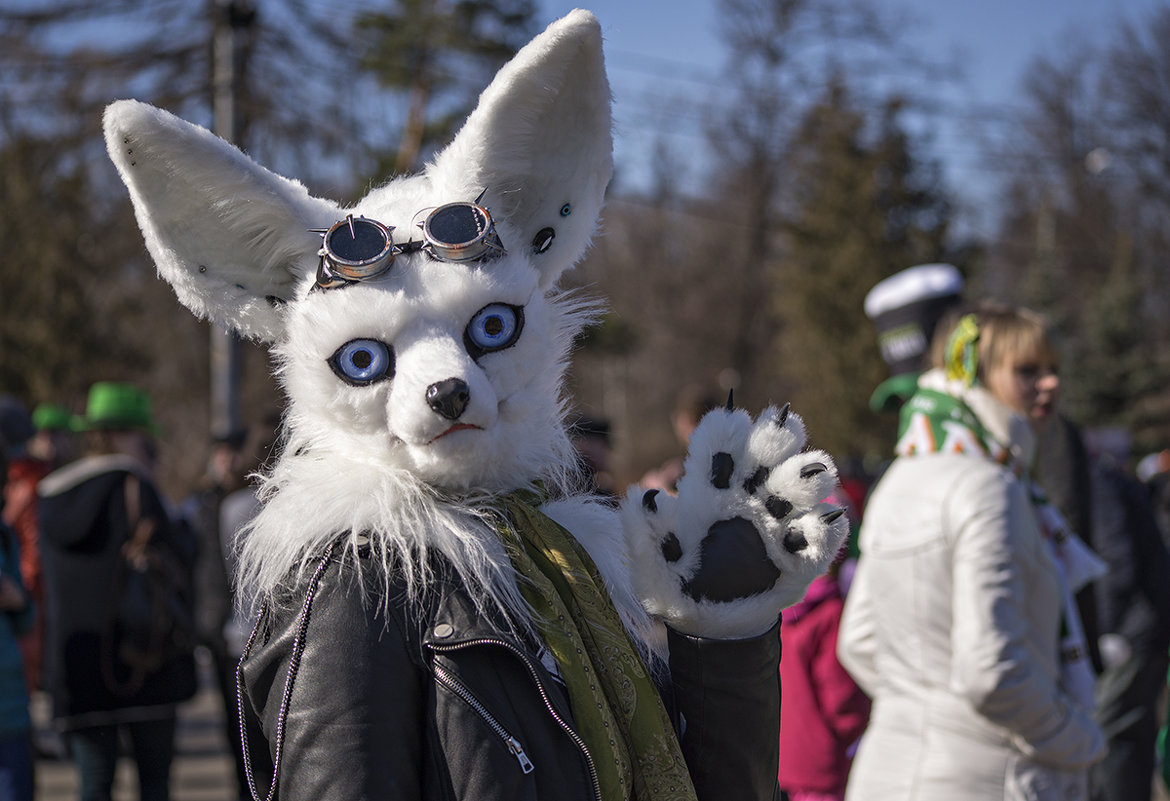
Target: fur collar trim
(71, 475)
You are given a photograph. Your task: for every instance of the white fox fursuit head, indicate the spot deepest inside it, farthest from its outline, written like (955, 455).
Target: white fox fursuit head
(422, 391)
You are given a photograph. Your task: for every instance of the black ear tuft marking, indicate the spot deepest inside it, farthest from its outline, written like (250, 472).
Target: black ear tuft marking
(813, 469)
(778, 507)
(756, 480)
(722, 466)
(543, 240)
(649, 501)
(671, 548)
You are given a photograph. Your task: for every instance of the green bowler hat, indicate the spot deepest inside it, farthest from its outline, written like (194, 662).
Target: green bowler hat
(117, 406)
(50, 417)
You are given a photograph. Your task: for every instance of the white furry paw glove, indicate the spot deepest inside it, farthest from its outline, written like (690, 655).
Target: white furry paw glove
(748, 532)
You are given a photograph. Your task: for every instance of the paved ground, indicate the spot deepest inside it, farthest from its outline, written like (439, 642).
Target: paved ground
(202, 771)
(203, 768)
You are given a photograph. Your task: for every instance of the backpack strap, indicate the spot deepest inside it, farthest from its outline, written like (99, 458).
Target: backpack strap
(141, 529)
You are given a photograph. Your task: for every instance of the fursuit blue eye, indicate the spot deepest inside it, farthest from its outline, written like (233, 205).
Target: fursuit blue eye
(494, 327)
(363, 361)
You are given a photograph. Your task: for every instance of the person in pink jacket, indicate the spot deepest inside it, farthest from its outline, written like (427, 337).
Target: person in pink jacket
(822, 709)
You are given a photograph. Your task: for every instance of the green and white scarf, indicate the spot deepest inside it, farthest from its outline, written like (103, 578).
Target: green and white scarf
(936, 421)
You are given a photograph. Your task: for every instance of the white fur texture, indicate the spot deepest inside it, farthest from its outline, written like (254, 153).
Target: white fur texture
(771, 450)
(378, 463)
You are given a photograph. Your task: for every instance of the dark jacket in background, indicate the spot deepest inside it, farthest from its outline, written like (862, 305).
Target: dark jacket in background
(1063, 470)
(1133, 599)
(1133, 602)
(83, 518)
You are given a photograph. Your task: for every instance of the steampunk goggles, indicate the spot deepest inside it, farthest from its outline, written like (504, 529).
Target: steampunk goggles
(358, 248)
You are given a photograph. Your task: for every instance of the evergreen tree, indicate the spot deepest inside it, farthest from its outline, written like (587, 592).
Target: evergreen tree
(865, 206)
(49, 321)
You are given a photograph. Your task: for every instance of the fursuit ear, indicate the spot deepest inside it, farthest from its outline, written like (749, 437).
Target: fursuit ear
(540, 143)
(231, 237)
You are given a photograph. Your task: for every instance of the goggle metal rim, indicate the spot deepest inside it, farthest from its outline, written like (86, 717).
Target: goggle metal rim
(362, 269)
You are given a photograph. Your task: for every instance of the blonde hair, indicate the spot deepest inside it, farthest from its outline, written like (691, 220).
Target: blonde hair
(1012, 333)
(1005, 333)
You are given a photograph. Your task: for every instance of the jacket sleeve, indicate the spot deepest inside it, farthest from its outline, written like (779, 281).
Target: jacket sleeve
(856, 645)
(993, 664)
(354, 666)
(728, 693)
(1135, 590)
(844, 705)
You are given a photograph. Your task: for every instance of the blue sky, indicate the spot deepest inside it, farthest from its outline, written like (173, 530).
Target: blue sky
(658, 50)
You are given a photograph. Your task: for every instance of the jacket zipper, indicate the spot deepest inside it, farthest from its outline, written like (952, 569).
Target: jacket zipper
(513, 745)
(576, 738)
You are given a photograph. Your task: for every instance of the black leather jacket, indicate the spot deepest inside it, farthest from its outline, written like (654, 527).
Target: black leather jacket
(435, 701)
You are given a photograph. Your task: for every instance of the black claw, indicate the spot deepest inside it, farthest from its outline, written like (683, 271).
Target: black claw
(671, 548)
(730, 400)
(782, 418)
(831, 516)
(649, 502)
(813, 469)
(794, 542)
(722, 466)
(756, 481)
(778, 507)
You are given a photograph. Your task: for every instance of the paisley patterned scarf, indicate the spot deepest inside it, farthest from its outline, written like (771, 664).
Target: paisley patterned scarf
(616, 707)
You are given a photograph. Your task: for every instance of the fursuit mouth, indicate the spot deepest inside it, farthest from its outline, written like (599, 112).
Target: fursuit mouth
(453, 429)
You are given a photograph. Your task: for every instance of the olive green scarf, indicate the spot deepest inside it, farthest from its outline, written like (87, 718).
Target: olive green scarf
(616, 707)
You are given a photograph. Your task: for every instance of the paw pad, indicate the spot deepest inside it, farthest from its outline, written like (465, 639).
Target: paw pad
(734, 562)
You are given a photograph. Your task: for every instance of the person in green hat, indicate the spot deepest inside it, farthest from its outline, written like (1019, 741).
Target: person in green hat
(55, 440)
(119, 419)
(103, 521)
(48, 444)
(16, 617)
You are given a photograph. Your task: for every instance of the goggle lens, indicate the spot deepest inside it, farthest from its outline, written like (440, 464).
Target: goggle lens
(362, 242)
(461, 232)
(357, 248)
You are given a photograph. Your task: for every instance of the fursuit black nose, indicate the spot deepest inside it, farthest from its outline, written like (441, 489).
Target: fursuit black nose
(449, 397)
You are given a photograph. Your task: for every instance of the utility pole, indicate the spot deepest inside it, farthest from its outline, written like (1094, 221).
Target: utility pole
(230, 18)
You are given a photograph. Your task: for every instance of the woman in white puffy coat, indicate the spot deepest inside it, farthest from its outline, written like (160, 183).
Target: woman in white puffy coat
(959, 623)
